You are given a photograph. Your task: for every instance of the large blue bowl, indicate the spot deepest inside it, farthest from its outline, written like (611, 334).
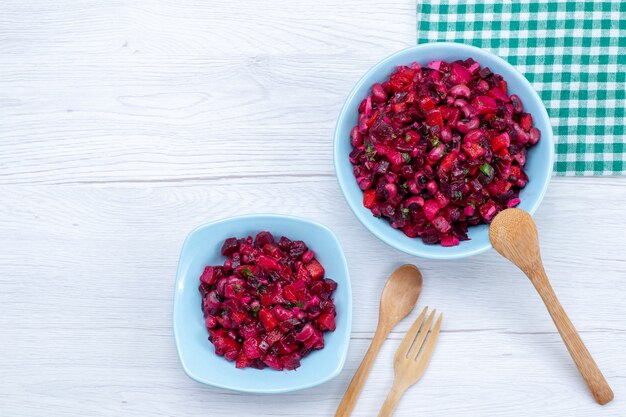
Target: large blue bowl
(202, 248)
(539, 160)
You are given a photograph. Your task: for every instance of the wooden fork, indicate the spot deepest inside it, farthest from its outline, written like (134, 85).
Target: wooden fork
(412, 358)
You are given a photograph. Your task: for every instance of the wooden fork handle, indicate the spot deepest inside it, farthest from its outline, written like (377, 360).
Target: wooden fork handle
(358, 380)
(391, 401)
(584, 362)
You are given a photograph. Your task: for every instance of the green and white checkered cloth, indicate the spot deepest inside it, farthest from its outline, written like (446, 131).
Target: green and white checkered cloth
(572, 52)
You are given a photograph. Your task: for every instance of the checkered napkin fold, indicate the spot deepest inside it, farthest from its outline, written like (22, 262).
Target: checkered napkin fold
(572, 52)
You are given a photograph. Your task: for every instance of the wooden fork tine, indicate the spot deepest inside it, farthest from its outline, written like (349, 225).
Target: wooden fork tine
(429, 347)
(405, 345)
(421, 336)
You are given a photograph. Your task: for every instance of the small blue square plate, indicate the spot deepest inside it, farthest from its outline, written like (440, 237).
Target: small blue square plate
(202, 248)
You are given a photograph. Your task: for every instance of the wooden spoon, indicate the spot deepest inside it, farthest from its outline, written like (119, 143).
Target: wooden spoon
(513, 234)
(398, 299)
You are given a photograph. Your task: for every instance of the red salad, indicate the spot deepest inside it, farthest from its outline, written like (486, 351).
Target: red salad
(441, 148)
(269, 304)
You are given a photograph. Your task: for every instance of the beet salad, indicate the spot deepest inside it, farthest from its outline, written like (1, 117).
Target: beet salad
(269, 304)
(441, 148)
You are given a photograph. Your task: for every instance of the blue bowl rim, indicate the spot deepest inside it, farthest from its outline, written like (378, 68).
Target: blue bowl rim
(345, 343)
(354, 206)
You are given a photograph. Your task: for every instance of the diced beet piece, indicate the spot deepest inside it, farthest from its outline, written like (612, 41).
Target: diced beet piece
(498, 94)
(273, 362)
(305, 333)
(288, 343)
(209, 276)
(297, 249)
(242, 360)
(473, 150)
(447, 163)
(250, 331)
(263, 238)
(513, 202)
(526, 122)
(316, 341)
(488, 211)
(281, 313)
(211, 303)
(235, 261)
(234, 288)
(426, 103)
(303, 274)
(434, 118)
(267, 263)
(292, 361)
(229, 347)
(289, 324)
(431, 208)
(284, 243)
(308, 256)
(231, 355)
(295, 292)
(210, 322)
(484, 105)
(326, 321)
(441, 224)
(449, 241)
(315, 269)
(330, 285)
(459, 74)
(230, 246)
(268, 320)
(369, 198)
(271, 295)
(502, 141)
(273, 336)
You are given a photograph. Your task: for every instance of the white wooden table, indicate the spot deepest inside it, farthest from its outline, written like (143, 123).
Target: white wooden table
(124, 124)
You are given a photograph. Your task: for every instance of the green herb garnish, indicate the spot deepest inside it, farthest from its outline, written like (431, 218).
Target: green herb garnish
(370, 151)
(486, 169)
(290, 305)
(406, 157)
(405, 213)
(434, 141)
(246, 271)
(255, 311)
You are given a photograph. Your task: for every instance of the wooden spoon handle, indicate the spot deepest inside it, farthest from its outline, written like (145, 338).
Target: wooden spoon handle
(391, 401)
(358, 380)
(584, 362)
